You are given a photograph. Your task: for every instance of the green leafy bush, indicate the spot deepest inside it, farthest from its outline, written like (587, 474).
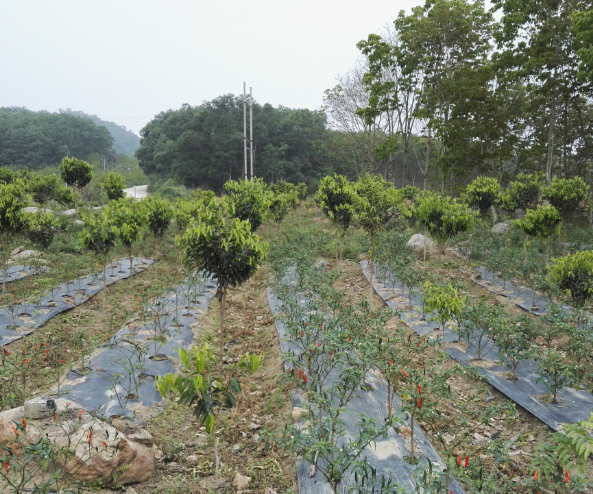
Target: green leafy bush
(46, 188)
(574, 274)
(565, 194)
(524, 192)
(76, 173)
(159, 214)
(128, 215)
(482, 193)
(251, 199)
(442, 216)
(113, 185)
(542, 222)
(42, 228)
(100, 236)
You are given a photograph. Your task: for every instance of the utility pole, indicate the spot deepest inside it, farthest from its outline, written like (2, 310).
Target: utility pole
(103, 164)
(251, 130)
(244, 132)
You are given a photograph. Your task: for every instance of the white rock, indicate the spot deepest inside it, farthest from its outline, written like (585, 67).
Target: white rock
(240, 482)
(79, 222)
(419, 241)
(502, 227)
(17, 250)
(519, 214)
(68, 212)
(26, 253)
(111, 449)
(32, 209)
(298, 412)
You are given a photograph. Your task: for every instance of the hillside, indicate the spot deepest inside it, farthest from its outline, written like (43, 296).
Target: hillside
(124, 140)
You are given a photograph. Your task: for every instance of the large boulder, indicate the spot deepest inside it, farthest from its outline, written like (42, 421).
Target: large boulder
(419, 241)
(502, 227)
(519, 214)
(112, 458)
(24, 254)
(68, 212)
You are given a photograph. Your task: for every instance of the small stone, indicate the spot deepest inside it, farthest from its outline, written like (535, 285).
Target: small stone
(502, 227)
(259, 318)
(131, 490)
(519, 214)
(240, 482)
(405, 431)
(192, 459)
(173, 464)
(243, 434)
(256, 437)
(253, 426)
(236, 447)
(298, 412)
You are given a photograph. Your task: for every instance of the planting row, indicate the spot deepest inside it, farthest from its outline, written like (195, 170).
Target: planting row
(353, 432)
(537, 378)
(121, 375)
(20, 318)
(15, 273)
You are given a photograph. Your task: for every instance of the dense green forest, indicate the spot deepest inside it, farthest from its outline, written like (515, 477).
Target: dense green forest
(203, 145)
(440, 96)
(124, 140)
(36, 140)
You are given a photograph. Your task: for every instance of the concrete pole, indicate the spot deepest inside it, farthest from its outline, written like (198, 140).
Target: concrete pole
(244, 132)
(251, 130)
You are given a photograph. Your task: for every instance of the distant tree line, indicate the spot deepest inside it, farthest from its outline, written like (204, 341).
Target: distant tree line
(36, 140)
(202, 146)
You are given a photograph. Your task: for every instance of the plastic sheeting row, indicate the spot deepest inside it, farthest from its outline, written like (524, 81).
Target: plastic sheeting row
(388, 454)
(573, 405)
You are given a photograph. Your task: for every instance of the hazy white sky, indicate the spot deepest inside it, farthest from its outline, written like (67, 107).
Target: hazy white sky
(127, 60)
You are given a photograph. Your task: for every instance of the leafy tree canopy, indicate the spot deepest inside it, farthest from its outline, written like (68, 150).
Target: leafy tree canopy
(35, 140)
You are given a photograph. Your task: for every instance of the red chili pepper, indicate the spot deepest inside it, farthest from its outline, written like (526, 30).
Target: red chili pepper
(62, 361)
(512, 473)
(90, 436)
(404, 373)
(389, 362)
(301, 333)
(349, 340)
(345, 305)
(54, 415)
(24, 422)
(420, 402)
(419, 388)
(46, 351)
(80, 414)
(104, 444)
(300, 373)
(95, 366)
(566, 477)
(466, 461)
(535, 475)
(305, 378)
(15, 431)
(37, 346)
(68, 404)
(459, 461)
(7, 352)
(6, 465)
(27, 361)
(331, 353)
(320, 325)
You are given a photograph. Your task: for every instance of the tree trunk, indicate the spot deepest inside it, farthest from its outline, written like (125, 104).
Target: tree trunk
(4, 252)
(372, 269)
(222, 307)
(405, 162)
(550, 159)
(494, 215)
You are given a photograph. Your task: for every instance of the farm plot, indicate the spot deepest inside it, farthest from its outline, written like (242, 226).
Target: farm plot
(527, 390)
(364, 430)
(120, 376)
(20, 319)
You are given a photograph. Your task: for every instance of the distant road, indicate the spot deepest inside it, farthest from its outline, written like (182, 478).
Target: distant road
(138, 191)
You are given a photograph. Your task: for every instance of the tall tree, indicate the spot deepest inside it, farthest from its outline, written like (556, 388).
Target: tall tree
(536, 40)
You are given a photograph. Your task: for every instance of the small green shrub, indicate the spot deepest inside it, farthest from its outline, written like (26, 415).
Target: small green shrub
(483, 193)
(565, 194)
(574, 275)
(113, 185)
